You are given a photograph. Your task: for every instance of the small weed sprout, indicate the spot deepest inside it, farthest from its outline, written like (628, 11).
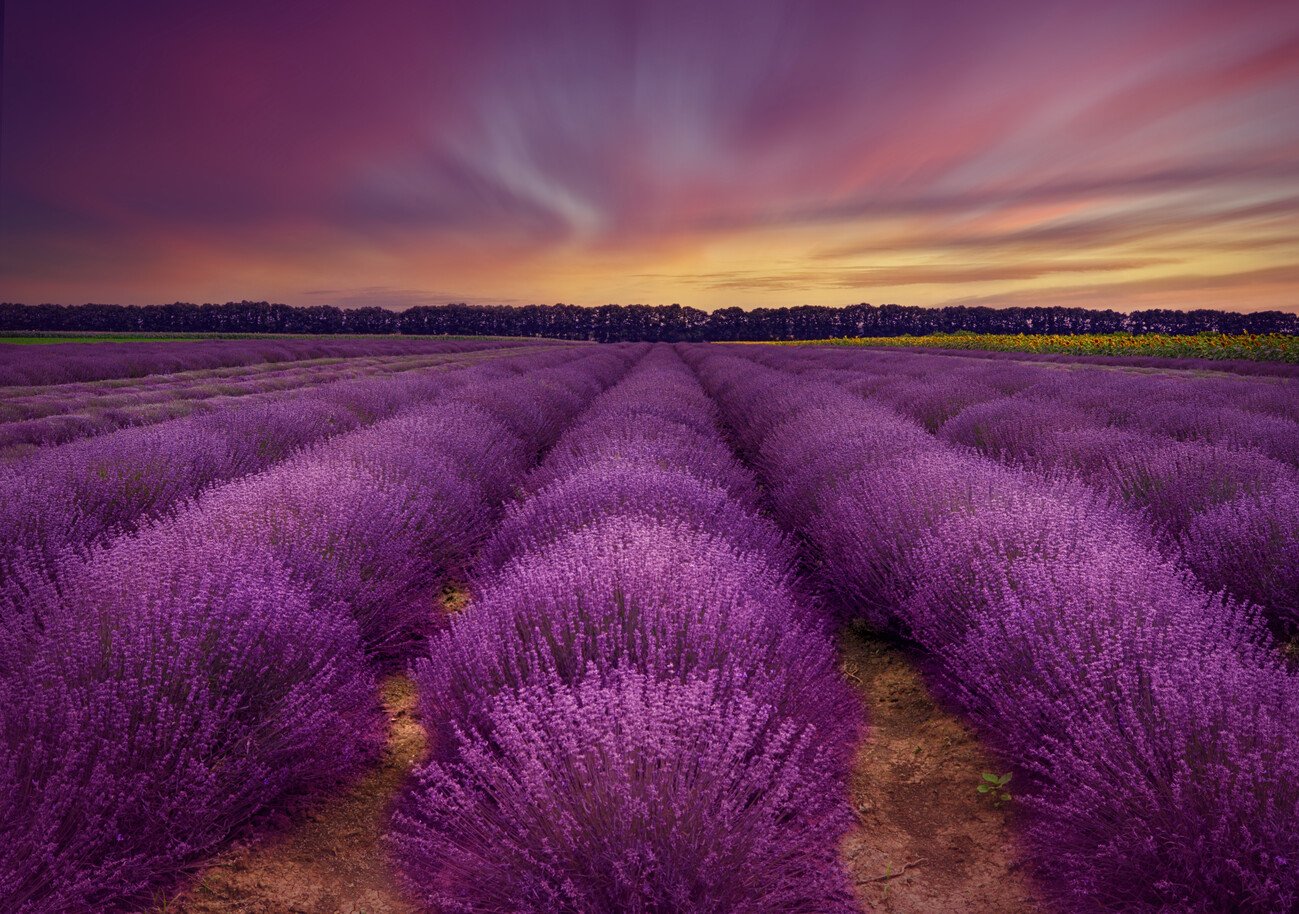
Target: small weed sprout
(995, 785)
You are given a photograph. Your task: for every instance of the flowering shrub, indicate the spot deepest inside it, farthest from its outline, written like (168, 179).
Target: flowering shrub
(631, 794)
(180, 686)
(660, 597)
(649, 442)
(640, 710)
(1149, 725)
(175, 686)
(1250, 545)
(75, 494)
(1210, 462)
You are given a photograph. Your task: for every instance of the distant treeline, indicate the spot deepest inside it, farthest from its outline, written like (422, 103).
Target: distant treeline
(615, 323)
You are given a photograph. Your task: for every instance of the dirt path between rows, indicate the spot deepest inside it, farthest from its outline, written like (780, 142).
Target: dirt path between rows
(331, 862)
(928, 842)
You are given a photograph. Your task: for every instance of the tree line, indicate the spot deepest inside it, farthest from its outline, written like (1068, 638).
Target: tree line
(617, 323)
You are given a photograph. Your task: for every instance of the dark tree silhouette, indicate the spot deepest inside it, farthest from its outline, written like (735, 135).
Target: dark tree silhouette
(612, 323)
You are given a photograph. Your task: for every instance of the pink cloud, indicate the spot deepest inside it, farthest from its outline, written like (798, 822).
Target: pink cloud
(158, 140)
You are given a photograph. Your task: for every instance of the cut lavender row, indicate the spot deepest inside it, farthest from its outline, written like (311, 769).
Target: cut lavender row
(58, 418)
(38, 402)
(68, 363)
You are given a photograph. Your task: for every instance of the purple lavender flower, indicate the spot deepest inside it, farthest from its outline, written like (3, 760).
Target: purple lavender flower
(178, 688)
(633, 794)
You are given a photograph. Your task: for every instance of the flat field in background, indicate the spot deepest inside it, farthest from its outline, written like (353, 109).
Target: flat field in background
(1258, 347)
(41, 338)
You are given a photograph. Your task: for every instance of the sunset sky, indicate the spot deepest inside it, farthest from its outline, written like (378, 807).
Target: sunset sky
(1122, 154)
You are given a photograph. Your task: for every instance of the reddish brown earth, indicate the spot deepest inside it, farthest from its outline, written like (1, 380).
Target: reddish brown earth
(927, 842)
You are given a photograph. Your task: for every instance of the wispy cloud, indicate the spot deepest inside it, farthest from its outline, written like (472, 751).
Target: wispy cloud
(917, 274)
(390, 296)
(1185, 288)
(1173, 222)
(737, 149)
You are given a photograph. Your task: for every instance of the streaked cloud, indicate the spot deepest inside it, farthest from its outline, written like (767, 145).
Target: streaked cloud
(759, 152)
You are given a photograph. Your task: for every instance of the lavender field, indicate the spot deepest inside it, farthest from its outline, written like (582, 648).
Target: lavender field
(626, 591)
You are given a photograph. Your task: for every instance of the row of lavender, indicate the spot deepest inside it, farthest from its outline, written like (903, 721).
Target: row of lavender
(62, 414)
(1255, 413)
(639, 711)
(171, 689)
(69, 496)
(1235, 366)
(34, 402)
(1211, 463)
(1153, 734)
(38, 402)
(66, 363)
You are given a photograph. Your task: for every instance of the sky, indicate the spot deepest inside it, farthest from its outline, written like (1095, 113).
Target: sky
(1133, 154)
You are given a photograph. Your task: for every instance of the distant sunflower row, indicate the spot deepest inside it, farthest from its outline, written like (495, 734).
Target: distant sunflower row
(1259, 347)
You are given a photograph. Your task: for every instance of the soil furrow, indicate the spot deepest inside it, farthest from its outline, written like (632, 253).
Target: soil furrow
(927, 841)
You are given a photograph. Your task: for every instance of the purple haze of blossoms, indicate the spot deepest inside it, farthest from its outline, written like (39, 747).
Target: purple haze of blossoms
(1213, 463)
(70, 496)
(627, 793)
(180, 688)
(57, 415)
(180, 684)
(1153, 729)
(640, 710)
(614, 594)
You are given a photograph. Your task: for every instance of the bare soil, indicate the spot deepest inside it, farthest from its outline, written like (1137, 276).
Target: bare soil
(927, 841)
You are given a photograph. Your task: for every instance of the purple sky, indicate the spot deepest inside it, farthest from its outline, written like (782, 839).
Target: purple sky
(1126, 154)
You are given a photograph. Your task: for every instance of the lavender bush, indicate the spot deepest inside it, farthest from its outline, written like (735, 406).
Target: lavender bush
(176, 686)
(651, 492)
(1176, 449)
(73, 362)
(660, 597)
(1149, 723)
(1250, 546)
(75, 494)
(632, 794)
(640, 709)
